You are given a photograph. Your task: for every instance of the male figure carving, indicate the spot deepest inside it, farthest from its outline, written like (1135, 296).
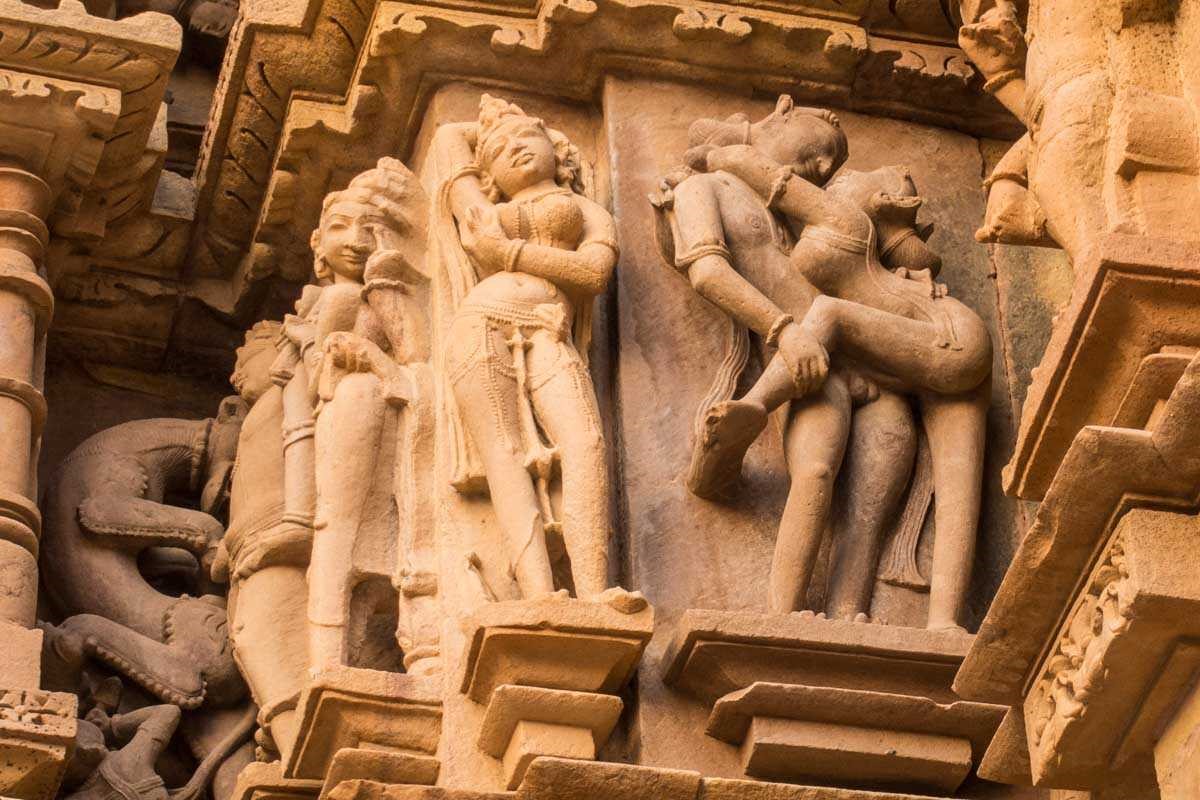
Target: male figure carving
(894, 329)
(264, 554)
(1059, 87)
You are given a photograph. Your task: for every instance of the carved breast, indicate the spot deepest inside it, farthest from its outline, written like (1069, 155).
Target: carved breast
(553, 220)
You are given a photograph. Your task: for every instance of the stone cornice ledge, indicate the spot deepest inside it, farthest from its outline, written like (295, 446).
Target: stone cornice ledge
(1106, 472)
(261, 191)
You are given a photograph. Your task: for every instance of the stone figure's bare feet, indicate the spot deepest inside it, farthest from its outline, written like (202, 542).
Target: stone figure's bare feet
(948, 627)
(729, 430)
(623, 600)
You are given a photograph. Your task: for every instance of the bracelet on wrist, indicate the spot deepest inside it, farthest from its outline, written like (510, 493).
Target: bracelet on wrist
(777, 329)
(1002, 79)
(512, 254)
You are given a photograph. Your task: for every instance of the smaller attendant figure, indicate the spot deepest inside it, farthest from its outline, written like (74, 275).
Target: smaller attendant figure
(1059, 87)
(265, 554)
(525, 254)
(128, 771)
(361, 345)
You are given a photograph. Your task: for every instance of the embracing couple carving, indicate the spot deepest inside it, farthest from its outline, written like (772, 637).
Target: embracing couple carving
(835, 278)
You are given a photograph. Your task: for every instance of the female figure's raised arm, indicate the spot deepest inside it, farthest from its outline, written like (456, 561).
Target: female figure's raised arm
(466, 190)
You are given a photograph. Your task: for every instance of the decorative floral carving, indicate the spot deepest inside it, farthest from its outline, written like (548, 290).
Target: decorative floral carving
(1075, 669)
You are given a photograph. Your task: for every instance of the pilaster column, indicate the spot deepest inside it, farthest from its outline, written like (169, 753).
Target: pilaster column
(79, 100)
(26, 304)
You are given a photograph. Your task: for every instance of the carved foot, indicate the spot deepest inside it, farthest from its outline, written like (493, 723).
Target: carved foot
(167, 674)
(623, 600)
(946, 626)
(729, 430)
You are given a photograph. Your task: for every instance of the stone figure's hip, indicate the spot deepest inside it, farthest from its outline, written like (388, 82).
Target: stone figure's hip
(511, 340)
(1075, 101)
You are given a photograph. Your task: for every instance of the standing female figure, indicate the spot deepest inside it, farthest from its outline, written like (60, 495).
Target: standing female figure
(539, 253)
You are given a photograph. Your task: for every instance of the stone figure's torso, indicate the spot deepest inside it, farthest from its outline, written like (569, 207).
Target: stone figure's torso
(549, 220)
(758, 241)
(1066, 39)
(256, 497)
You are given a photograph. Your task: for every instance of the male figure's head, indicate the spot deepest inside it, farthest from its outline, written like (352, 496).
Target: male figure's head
(811, 140)
(251, 376)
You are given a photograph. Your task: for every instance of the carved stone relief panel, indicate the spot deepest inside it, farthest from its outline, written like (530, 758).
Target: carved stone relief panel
(679, 355)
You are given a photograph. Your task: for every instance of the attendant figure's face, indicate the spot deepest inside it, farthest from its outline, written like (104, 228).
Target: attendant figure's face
(252, 373)
(350, 232)
(519, 155)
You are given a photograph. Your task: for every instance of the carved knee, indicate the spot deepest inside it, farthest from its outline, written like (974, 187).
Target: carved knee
(807, 471)
(821, 317)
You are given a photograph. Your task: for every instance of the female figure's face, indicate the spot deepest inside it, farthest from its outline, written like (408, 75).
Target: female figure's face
(350, 232)
(519, 155)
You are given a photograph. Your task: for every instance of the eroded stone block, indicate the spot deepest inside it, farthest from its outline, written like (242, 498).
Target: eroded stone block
(532, 739)
(547, 671)
(795, 751)
(37, 737)
(265, 781)
(843, 688)
(554, 643)
(363, 709)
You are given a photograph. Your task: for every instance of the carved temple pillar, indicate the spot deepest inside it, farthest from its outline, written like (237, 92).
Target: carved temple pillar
(79, 100)
(26, 304)
(1090, 640)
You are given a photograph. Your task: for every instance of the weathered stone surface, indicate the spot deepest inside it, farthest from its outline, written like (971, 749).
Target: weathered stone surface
(358, 709)
(1090, 86)
(37, 736)
(1105, 470)
(715, 653)
(811, 700)
(263, 781)
(1132, 305)
(547, 671)
(1123, 659)
(775, 748)
(556, 45)
(462, 470)
(555, 643)
(1176, 761)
